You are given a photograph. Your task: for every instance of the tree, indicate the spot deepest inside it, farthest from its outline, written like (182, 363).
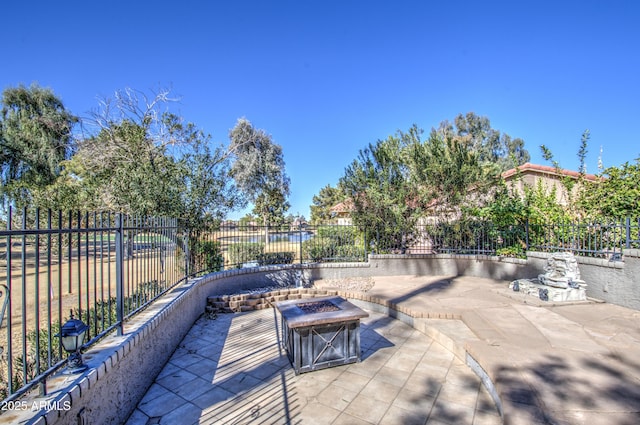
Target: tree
(127, 172)
(616, 195)
(35, 137)
(449, 173)
(139, 158)
(206, 191)
(399, 180)
(491, 145)
(323, 202)
(259, 171)
(384, 198)
(523, 220)
(569, 183)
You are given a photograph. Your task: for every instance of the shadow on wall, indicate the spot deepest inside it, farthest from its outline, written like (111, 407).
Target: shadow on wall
(290, 278)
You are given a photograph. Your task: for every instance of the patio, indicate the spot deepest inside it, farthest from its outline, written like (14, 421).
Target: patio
(232, 369)
(547, 364)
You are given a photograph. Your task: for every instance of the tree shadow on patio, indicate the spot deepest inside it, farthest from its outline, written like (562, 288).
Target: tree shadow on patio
(554, 390)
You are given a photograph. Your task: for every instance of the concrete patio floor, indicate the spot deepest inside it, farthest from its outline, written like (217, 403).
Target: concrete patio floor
(232, 370)
(568, 364)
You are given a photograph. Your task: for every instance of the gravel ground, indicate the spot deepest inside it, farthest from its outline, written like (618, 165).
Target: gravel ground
(348, 283)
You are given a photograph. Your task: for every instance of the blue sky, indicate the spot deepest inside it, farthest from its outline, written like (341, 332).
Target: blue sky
(325, 78)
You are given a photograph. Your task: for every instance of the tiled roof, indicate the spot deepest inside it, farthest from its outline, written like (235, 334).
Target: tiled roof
(545, 169)
(342, 207)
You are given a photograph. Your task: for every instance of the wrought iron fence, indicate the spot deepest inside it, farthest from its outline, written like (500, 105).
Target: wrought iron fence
(605, 239)
(460, 237)
(99, 267)
(236, 246)
(232, 246)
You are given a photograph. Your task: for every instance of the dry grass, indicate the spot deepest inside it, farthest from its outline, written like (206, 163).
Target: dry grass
(46, 292)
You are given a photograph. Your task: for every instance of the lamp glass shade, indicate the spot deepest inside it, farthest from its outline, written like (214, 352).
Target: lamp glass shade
(69, 343)
(72, 334)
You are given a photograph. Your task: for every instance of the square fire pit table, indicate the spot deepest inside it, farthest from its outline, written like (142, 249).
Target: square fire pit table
(320, 332)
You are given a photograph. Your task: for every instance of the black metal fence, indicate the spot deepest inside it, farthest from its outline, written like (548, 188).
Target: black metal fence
(236, 246)
(606, 239)
(104, 267)
(101, 268)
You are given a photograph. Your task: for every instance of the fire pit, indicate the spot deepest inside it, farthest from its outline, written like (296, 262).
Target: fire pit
(320, 332)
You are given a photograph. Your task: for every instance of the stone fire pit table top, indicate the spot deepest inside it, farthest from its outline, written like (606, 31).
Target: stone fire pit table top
(318, 311)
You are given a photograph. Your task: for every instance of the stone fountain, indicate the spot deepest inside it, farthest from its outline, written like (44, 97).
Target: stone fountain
(560, 282)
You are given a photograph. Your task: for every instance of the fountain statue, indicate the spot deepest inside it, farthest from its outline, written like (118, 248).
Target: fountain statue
(560, 281)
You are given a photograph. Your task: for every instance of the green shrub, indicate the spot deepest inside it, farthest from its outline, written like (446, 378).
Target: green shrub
(514, 251)
(317, 250)
(207, 256)
(241, 253)
(339, 235)
(269, 258)
(350, 252)
(330, 250)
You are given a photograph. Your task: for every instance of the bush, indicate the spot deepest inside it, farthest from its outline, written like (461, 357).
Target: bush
(269, 258)
(207, 256)
(334, 243)
(339, 235)
(241, 253)
(331, 250)
(317, 250)
(350, 252)
(511, 251)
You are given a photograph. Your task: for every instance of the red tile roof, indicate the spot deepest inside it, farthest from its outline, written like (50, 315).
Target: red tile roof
(342, 207)
(545, 169)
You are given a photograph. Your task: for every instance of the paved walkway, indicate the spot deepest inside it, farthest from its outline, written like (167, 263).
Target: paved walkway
(569, 364)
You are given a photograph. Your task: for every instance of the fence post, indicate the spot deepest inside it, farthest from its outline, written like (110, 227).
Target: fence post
(365, 245)
(300, 240)
(187, 254)
(628, 233)
(119, 274)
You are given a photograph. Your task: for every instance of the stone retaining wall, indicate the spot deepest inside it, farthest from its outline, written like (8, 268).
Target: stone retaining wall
(258, 301)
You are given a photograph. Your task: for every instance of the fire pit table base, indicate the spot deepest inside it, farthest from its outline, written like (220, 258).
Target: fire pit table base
(318, 340)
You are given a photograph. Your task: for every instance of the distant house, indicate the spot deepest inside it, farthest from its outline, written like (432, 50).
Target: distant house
(228, 225)
(299, 223)
(341, 212)
(251, 225)
(530, 175)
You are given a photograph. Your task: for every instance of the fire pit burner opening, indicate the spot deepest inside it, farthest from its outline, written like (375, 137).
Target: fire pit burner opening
(317, 307)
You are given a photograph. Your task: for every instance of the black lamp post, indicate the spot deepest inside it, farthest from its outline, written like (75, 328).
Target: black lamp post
(72, 337)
